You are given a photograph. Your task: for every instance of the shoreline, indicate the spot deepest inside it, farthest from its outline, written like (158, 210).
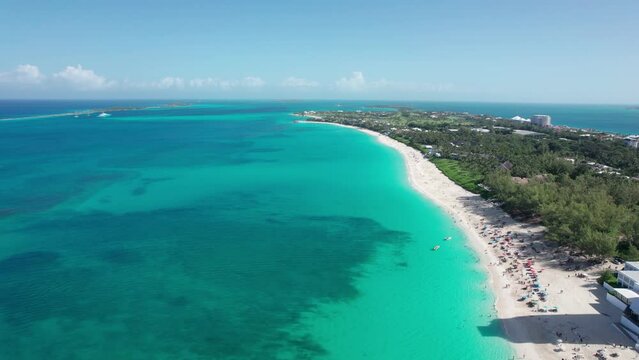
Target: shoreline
(582, 322)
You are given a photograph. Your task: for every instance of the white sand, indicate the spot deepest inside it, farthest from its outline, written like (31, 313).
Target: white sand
(584, 321)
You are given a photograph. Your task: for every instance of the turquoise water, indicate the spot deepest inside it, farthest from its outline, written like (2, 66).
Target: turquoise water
(226, 231)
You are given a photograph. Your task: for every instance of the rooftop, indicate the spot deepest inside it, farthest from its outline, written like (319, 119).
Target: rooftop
(633, 274)
(627, 293)
(526, 132)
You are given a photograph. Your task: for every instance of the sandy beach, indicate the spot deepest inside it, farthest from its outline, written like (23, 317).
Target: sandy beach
(572, 320)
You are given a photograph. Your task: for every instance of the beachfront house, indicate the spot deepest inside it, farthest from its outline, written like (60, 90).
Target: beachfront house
(626, 298)
(629, 276)
(632, 141)
(429, 150)
(629, 279)
(630, 320)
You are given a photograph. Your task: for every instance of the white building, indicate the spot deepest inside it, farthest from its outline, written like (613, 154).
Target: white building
(626, 299)
(632, 141)
(629, 279)
(540, 120)
(519, 118)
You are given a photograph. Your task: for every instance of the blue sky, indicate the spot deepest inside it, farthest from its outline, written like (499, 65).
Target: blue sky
(575, 51)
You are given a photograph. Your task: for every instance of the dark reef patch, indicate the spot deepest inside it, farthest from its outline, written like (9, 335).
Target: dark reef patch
(28, 261)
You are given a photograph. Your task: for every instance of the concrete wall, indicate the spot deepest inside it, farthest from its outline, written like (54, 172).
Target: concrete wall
(616, 302)
(629, 325)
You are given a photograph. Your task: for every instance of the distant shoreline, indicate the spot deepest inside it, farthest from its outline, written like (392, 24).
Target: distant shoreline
(94, 111)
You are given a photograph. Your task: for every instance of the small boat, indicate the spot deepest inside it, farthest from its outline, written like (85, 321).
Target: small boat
(103, 114)
(448, 238)
(436, 248)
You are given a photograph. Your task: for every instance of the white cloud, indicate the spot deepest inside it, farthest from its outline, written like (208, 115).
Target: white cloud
(29, 77)
(210, 82)
(356, 82)
(226, 84)
(247, 82)
(203, 82)
(82, 79)
(252, 82)
(299, 83)
(170, 82)
(29, 74)
(23, 74)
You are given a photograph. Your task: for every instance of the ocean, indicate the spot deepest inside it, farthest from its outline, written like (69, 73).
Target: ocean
(620, 119)
(225, 230)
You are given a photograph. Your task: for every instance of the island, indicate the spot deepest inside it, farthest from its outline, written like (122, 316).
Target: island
(103, 112)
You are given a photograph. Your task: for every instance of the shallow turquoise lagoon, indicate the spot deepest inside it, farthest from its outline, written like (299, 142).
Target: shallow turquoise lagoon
(226, 231)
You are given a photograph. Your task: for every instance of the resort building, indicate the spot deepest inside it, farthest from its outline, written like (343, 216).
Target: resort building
(540, 120)
(631, 265)
(632, 141)
(629, 279)
(626, 296)
(626, 299)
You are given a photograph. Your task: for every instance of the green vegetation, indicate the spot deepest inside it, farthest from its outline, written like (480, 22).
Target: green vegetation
(460, 174)
(582, 186)
(608, 277)
(580, 212)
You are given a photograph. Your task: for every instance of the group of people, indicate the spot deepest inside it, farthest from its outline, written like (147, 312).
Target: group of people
(518, 264)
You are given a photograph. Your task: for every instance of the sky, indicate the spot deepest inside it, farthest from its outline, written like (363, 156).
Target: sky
(554, 51)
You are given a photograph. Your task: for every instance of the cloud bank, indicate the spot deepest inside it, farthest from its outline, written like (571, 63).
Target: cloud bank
(295, 82)
(169, 82)
(251, 82)
(355, 82)
(26, 74)
(75, 80)
(82, 79)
